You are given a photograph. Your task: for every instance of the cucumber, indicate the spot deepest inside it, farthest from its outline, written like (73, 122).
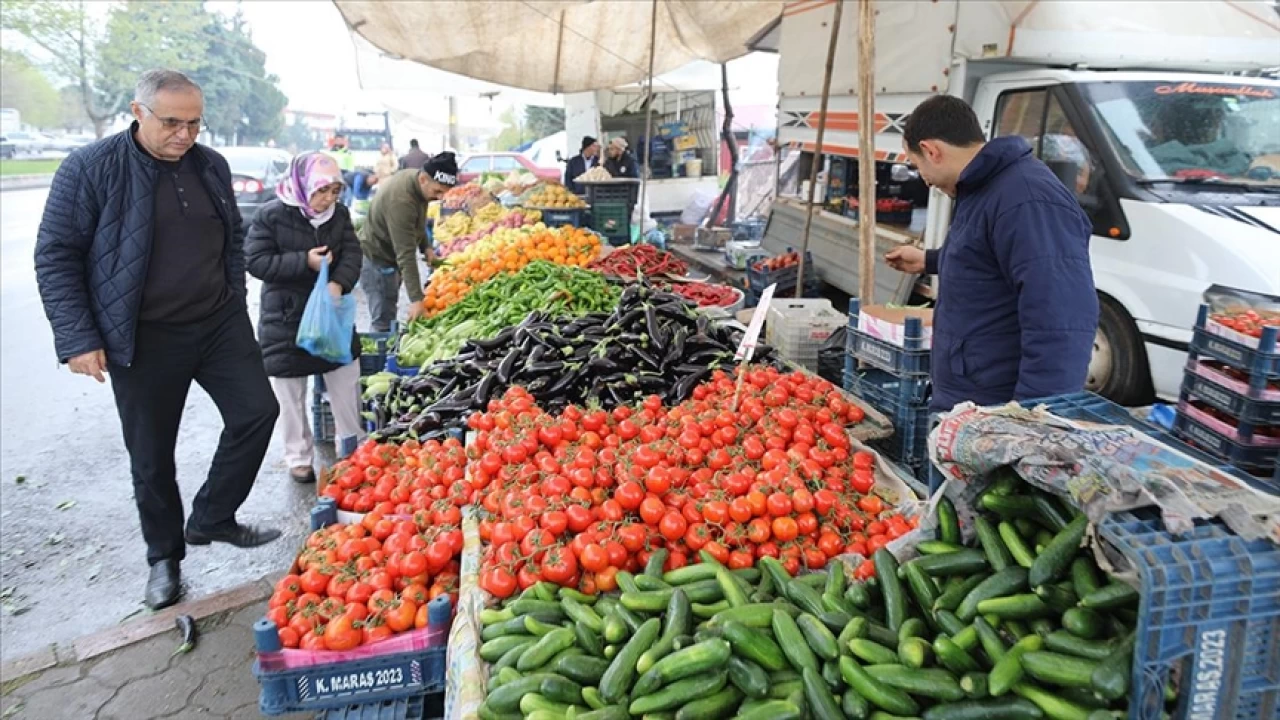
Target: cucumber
(1058, 669)
(1057, 597)
(615, 627)
(1051, 516)
(583, 669)
(648, 582)
(561, 689)
(821, 704)
(511, 656)
(703, 591)
(507, 698)
(754, 645)
(653, 566)
(1056, 559)
(1008, 670)
(922, 586)
(798, 652)
(783, 690)
(838, 604)
(992, 645)
(772, 710)
(489, 616)
(836, 580)
(536, 627)
(545, 648)
(954, 594)
(1016, 545)
(622, 670)
(755, 615)
(607, 712)
(1084, 579)
(858, 594)
(582, 614)
(974, 685)
(1113, 595)
(937, 547)
(729, 586)
(834, 619)
(712, 707)
(1065, 642)
(679, 693)
(514, 626)
(914, 652)
(1084, 698)
(952, 656)
(1005, 582)
(588, 640)
(913, 627)
(806, 598)
(591, 696)
(685, 663)
(534, 702)
(998, 556)
(948, 522)
(1006, 481)
(1011, 506)
(876, 692)
(532, 605)
(648, 601)
(854, 705)
(1016, 607)
(690, 573)
(895, 603)
(933, 683)
(748, 677)
(1053, 707)
(1010, 708)
(1084, 623)
(949, 623)
(1110, 679)
(819, 638)
(872, 653)
(709, 611)
(961, 562)
(831, 674)
(493, 650)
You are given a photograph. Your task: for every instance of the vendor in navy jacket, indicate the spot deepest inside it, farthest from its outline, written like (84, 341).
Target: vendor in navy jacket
(1016, 311)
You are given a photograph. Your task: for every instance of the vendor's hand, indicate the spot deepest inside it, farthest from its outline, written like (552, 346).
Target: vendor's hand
(316, 256)
(415, 310)
(335, 289)
(93, 364)
(907, 259)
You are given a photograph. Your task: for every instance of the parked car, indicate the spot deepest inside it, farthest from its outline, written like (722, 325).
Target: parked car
(7, 148)
(26, 143)
(502, 162)
(67, 143)
(255, 171)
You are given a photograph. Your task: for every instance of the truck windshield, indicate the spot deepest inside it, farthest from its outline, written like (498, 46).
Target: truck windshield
(1181, 131)
(362, 141)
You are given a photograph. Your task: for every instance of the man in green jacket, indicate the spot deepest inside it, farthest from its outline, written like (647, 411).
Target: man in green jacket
(394, 232)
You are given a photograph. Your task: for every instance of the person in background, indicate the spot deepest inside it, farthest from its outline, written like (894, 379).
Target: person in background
(386, 167)
(140, 265)
(290, 237)
(619, 161)
(1017, 311)
(340, 151)
(415, 158)
(587, 158)
(393, 235)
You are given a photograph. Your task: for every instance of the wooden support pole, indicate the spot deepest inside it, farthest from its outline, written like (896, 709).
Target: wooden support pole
(817, 146)
(866, 151)
(648, 119)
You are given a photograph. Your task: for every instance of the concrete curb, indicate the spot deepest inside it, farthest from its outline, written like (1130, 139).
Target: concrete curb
(25, 182)
(102, 642)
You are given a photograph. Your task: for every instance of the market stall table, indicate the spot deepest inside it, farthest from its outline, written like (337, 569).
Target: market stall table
(711, 262)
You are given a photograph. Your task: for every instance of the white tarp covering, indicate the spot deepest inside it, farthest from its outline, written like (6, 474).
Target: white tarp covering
(561, 46)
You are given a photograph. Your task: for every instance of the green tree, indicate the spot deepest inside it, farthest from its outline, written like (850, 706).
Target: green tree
(243, 103)
(146, 34)
(512, 134)
(541, 121)
(71, 112)
(24, 88)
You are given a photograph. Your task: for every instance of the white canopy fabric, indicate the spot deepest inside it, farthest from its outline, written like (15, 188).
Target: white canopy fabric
(559, 46)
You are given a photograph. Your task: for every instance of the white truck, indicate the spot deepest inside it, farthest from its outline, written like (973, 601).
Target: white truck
(1159, 115)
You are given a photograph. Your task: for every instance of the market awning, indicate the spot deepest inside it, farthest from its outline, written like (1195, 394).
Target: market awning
(559, 46)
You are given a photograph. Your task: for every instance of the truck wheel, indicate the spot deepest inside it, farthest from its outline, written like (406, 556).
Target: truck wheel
(1118, 369)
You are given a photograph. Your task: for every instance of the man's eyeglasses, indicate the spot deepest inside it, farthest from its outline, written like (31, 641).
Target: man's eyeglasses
(174, 124)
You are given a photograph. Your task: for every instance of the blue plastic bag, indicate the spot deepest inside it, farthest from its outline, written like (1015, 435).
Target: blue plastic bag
(328, 323)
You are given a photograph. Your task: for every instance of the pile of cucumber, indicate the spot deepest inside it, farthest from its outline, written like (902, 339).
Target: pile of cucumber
(1017, 625)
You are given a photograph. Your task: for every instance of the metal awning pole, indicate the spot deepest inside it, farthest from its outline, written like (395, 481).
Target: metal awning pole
(648, 117)
(866, 152)
(817, 146)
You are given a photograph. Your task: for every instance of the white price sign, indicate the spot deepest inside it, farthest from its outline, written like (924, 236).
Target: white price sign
(747, 347)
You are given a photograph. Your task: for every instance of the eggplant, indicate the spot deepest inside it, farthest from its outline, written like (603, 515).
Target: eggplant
(649, 359)
(563, 384)
(682, 389)
(550, 367)
(494, 342)
(601, 364)
(507, 365)
(676, 348)
(483, 391)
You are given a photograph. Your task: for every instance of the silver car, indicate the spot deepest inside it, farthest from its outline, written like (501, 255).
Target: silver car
(255, 171)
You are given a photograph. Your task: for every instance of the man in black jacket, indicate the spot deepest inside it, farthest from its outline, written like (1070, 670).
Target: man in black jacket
(140, 266)
(415, 158)
(586, 159)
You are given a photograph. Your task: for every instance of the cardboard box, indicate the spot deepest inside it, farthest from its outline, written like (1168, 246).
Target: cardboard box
(889, 324)
(683, 234)
(686, 142)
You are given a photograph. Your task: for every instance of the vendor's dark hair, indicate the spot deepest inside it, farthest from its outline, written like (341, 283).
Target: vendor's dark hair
(945, 118)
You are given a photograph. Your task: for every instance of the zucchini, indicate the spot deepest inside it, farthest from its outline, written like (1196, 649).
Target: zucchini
(1008, 670)
(952, 656)
(754, 645)
(954, 594)
(1056, 559)
(937, 547)
(1016, 545)
(1058, 669)
(933, 683)
(1065, 642)
(1084, 579)
(923, 588)
(948, 522)
(1005, 582)
(1009, 708)
(1016, 607)
(618, 678)
(821, 704)
(974, 685)
(874, 691)
(679, 693)
(872, 653)
(772, 710)
(998, 556)
(1112, 595)
(1084, 623)
(748, 677)
(1110, 679)
(792, 641)
(819, 638)
(895, 603)
(712, 707)
(1053, 707)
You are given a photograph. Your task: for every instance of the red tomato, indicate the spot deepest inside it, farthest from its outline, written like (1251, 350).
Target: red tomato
(672, 526)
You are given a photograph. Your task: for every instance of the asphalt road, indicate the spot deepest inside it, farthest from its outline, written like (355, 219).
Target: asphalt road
(72, 559)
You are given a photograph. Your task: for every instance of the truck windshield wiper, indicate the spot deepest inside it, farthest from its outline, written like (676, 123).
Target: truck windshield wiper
(1212, 182)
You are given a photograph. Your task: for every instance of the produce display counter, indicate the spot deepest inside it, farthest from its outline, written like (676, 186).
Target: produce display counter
(711, 262)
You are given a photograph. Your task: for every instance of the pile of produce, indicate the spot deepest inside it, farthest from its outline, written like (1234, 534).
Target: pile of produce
(405, 479)
(461, 223)
(1247, 322)
(610, 490)
(557, 290)
(777, 262)
(565, 246)
(886, 205)
(519, 217)
(643, 260)
(653, 343)
(707, 294)
(1015, 625)
(595, 174)
(459, 197)
(553, 196)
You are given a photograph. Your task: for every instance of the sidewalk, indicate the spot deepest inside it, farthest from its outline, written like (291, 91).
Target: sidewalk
(130, 673)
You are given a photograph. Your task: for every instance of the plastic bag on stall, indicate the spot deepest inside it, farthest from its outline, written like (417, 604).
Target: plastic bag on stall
(699, 206)
(831, 357)
(328, 323)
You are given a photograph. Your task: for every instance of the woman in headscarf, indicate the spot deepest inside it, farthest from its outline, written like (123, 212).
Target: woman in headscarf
(290, 238)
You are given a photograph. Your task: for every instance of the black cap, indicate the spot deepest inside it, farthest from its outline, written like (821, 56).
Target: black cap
(442, 168)
(588, 141)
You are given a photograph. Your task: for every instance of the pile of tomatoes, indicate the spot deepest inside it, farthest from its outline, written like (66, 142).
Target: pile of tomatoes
(1247, 322)
(402, 479)
(357, 584)
(576, 498)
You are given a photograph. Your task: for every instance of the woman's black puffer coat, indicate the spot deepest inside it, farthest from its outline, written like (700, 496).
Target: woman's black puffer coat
(275, 250)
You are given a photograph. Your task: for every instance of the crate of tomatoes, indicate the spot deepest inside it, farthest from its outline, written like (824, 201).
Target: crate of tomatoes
(1242, 329)
(891, 211)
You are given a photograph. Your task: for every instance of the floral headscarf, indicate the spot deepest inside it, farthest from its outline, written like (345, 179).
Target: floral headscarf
(308, 173)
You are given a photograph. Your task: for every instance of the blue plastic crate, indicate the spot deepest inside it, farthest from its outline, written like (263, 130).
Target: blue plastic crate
(751, 230)
(376, 362)
(910, 359)
(1241, 407)
(1208, 619)
(897, 398)
(394, 367)
(418, 707)
(556, 217)
(1261, 364)
(1255, 459)
(784, 278)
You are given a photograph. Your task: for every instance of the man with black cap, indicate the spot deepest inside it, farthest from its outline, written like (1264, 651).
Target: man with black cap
(393, 234)
(588, 158)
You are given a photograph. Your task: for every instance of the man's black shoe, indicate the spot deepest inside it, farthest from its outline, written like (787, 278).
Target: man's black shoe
(245, 536)
(164, 585)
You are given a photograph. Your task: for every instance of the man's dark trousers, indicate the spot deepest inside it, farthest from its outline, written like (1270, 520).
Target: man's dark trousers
(221, 354)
